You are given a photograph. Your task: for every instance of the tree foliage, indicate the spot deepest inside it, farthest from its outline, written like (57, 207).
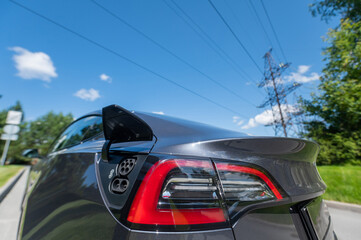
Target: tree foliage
(41, 132)
(348, 9)
(38, 134)
(335, 111)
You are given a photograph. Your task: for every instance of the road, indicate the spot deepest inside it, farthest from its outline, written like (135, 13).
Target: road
(10, 209)
(346, 223)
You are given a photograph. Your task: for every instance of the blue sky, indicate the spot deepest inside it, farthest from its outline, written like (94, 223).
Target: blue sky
(48, 68)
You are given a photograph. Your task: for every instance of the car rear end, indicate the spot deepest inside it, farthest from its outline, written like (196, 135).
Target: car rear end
(197, 182)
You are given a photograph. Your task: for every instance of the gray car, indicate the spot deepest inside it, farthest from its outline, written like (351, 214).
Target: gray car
(115, 174)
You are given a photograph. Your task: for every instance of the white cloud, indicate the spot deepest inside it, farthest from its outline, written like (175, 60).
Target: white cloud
(277, 81)
(87, 95)
(300, 75)
(303, 69)
(105, 78)
(240, 122)
(267, 118)
(33, 65)
(237, 120)
(160, 113)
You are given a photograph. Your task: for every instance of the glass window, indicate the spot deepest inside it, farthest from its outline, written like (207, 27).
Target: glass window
(94, 129)
(77, 132)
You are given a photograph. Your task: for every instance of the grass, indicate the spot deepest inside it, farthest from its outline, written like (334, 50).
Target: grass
(343, 183)
(6, 172)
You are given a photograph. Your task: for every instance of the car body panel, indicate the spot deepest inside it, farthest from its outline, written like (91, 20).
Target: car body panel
(66, 195)
(248, 227)
(224, 234)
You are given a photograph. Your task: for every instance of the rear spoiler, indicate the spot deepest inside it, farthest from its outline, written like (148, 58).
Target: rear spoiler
(120, 125)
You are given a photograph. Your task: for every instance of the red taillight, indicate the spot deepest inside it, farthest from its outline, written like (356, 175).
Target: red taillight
(177, 192)
(251, 171)
(243, 186)
(184, 192)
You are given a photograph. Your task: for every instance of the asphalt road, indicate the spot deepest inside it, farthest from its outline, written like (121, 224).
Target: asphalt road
(346, 223)
(10, 209)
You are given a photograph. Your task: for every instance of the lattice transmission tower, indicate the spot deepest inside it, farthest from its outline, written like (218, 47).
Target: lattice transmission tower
(277, 90)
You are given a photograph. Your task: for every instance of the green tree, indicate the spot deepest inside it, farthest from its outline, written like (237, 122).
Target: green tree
(335, 112)
(348, 9)
(39, 133)
(42, 132)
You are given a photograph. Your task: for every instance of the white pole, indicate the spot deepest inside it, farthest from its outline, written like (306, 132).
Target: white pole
(5, 152)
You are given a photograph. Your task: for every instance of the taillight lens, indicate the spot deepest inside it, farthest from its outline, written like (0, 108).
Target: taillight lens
(243, 186)
(187, 192)
(178, 192)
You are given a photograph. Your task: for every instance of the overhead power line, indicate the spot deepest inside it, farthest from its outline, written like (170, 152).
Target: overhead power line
(274, 31)
(235, 36)
(126, 58)
(207, 39)
(250, 3)
(240, 25)
(170, 52)
(260, 22)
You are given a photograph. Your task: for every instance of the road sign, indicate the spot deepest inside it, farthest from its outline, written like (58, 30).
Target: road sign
(14, 117)
(11, 129)
(11, 137)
